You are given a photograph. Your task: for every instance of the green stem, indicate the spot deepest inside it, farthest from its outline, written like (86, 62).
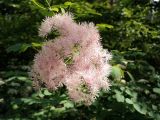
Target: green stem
(48, 4)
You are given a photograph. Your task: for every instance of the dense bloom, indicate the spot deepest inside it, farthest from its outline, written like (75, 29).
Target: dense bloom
(75, 59)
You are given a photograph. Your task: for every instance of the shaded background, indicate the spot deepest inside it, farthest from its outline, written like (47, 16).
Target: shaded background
(130, 29)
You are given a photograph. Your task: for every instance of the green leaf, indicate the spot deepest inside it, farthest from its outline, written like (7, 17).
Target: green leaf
(1, 100)
(127, 12)
(129, 101)
(15, 106)
(117, 73)
(137, 107)
(156, 90)
(24, 47)
(104, 26)
(128, 92)
(154, 107)
(54, 9)
(1, 82)
(14, 48)
(130, 76)
(151, 113)
(60, 110)
(140, 109)
(154, 34)
(68, 3)
(22, 78)
(38, 4)
(62, 10)
(46, 12)
(68, 104)
(19, 47)
(36, 44)
(119, 96)
(143, 110)
(14, 5)
(40, 94)
(46, 92)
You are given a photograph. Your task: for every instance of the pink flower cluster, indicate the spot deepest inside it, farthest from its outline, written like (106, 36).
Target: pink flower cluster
(75, 59)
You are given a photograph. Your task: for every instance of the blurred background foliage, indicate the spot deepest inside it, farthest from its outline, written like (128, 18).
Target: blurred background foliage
(130, 29)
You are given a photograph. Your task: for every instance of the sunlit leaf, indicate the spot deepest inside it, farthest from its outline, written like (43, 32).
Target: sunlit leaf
(46, 92)
(129, 101)
(156, 90)
(117, 72)
(68, 3)
(127, 12)
(104, 26)
(38, 4)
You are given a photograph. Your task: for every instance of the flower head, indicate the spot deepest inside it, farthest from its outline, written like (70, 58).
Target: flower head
(75, 59)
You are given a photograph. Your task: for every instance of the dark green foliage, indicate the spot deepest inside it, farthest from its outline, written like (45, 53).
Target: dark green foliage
(130, 29)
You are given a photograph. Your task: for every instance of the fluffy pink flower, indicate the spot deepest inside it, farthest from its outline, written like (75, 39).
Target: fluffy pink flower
(75, 59)
(64, 23)
(81, 90)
